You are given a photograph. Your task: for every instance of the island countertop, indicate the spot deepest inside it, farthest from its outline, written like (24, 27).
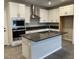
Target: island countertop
(39, 36)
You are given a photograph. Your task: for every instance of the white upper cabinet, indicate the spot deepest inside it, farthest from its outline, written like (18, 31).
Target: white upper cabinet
(21, 10)
(13, 9)
(66, 10)
(27, 13)
(17, 10)
(53, 15)
(43, 15)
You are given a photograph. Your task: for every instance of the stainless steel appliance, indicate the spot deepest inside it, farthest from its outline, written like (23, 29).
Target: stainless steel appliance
(18, 23)
(18, 28)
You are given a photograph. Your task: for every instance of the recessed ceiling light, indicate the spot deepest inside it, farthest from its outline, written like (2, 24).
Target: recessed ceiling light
(49, 2)
(63, 0)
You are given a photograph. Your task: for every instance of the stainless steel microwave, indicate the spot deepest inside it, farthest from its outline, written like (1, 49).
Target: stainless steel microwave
(18, 22)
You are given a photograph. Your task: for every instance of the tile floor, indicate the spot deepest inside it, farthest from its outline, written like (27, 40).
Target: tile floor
(67, 52)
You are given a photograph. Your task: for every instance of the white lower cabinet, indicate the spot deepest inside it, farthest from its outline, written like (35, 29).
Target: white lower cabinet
(26, 48)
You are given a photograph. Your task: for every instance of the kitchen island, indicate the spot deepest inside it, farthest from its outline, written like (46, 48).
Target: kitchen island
(41, 44)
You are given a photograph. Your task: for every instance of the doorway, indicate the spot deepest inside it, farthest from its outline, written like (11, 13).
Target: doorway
(66, 25)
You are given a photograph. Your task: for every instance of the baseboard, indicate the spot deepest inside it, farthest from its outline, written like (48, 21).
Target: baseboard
(51, 53)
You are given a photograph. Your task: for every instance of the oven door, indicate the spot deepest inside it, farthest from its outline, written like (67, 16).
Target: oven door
(17, 34)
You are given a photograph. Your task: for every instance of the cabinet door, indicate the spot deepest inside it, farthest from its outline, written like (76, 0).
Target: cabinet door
(71, 9)
(27, 14)
(13, 8)
(66, 10)
(46, 16)
(57, 17)
(21, 10)
(5, 29)
(26, 48)
(54, 15)
(43, 15)
(62, 11)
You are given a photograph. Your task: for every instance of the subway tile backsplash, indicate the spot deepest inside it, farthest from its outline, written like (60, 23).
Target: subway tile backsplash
(35, 24)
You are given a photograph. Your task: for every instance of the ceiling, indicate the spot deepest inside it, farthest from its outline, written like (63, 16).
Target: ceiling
(44, 3)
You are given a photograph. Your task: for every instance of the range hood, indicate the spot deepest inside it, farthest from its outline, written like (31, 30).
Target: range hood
(34, 12)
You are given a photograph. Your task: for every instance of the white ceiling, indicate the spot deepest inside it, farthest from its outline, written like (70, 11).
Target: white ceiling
(44, 3)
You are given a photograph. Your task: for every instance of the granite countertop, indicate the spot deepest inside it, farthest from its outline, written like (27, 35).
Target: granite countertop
(39, 36)
(41, 27)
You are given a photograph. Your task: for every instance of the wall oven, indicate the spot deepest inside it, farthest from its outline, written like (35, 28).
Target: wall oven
(18, 28)
(18, 23)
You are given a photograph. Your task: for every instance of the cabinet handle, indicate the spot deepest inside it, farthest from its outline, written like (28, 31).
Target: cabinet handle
(4, 29)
